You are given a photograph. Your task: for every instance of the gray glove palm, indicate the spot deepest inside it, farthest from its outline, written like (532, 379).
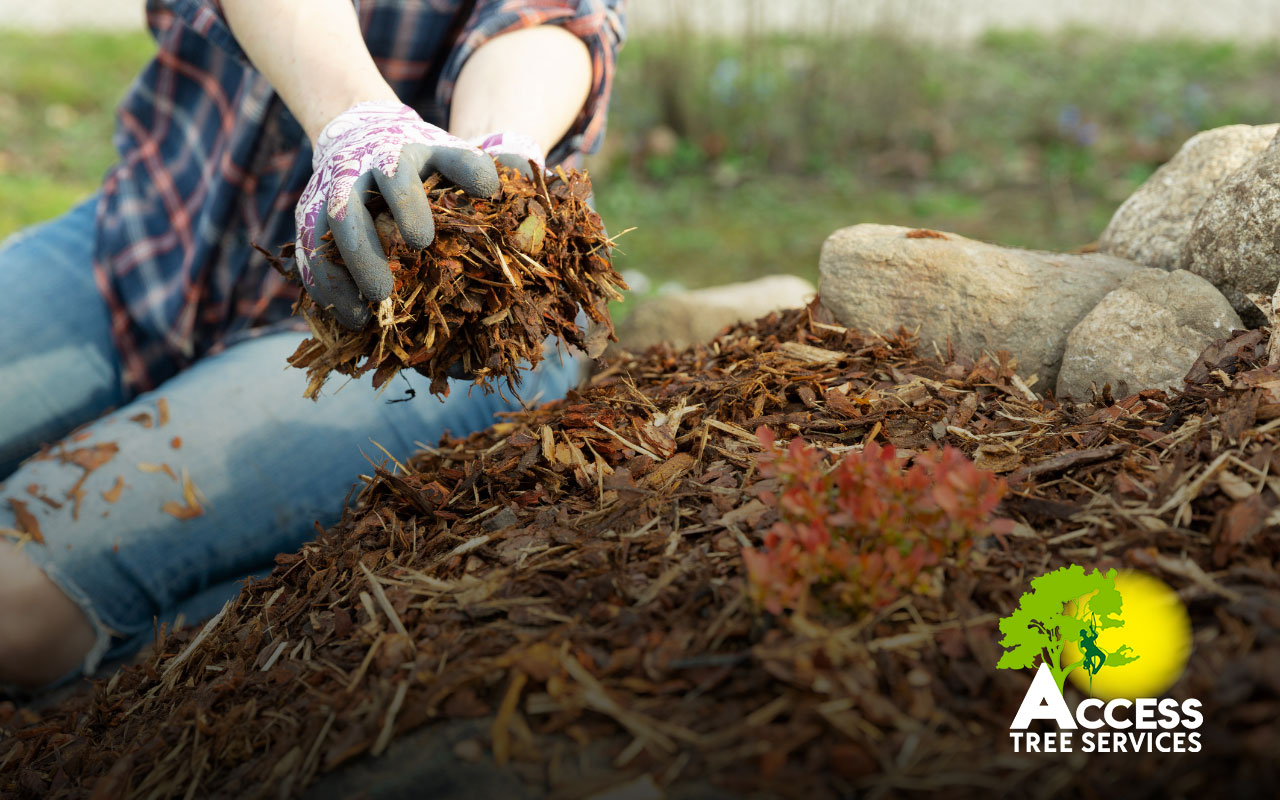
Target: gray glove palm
(389, 147)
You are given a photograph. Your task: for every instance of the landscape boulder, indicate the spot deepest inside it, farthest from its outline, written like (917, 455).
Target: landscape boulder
(1235, 242)
(975, 295)
(1145, 334)
(693, 317)
(1153, 226)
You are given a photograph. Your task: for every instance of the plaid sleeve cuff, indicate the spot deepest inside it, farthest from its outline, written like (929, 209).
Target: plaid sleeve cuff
(600, 24)
(205, 17)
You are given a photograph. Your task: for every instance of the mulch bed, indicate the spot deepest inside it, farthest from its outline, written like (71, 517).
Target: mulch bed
(574, 574)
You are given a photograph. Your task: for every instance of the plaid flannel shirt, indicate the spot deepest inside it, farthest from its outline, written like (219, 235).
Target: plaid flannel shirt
(212, 163)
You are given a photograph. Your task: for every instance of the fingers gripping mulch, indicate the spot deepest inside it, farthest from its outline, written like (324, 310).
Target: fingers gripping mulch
(501, 276)
(573, 578)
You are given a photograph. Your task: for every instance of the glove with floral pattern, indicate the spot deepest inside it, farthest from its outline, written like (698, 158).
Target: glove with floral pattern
(512, 150)
(389, 147)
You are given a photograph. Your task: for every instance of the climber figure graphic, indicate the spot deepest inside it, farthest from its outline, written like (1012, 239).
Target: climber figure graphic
(1094, 658)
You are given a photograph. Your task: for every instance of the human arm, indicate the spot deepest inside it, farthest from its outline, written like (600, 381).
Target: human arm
(599, 24)
(533, 80)
(363, 138)
(521, 114)
(312, 54)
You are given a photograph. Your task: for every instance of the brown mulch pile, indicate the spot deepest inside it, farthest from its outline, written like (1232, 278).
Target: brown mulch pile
(500, 277)
(573, 577)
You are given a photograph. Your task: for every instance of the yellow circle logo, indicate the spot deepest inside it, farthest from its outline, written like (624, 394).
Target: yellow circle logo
(1141, 658)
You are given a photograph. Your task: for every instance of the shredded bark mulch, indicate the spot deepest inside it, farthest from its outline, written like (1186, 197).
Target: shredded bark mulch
(572, 579)
(501, 276)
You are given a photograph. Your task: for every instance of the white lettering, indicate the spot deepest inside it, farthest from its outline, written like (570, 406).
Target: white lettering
(1144, 713)
(1085, 722)
(1109, 715)
(1050, 742)
(1192, 718)
(1043, 701)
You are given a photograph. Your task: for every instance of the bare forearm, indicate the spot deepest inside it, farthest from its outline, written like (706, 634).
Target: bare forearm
(534, 81)
(313, 54)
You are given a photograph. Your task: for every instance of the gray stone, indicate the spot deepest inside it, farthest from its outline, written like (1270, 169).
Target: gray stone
(693, 317)
(1234, 242)
(1145, 334)
(979, 296)
(1152, 227)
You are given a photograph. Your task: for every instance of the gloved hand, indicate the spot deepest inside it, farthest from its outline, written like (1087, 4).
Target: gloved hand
(387, 146)
(512, 150)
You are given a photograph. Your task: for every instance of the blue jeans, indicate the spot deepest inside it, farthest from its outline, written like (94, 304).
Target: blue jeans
(268, 463)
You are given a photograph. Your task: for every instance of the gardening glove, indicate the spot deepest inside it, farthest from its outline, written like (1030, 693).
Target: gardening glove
(512, 150)
(388, 147)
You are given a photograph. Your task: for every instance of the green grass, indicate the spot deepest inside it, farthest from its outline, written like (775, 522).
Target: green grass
(57, 93)
(1021, 139)
(769, 145)
(688, 234)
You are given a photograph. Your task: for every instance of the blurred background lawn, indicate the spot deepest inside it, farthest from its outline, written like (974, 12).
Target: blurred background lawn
(735, 156)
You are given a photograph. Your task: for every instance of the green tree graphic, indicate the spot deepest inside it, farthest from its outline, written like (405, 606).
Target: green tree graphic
(1049, 616)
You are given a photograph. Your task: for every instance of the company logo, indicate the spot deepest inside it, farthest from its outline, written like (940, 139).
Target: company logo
(1122, 638)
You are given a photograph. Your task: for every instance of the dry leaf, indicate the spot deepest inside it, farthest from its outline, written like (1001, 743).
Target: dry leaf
(113, 494)
(26, 521)
(90, 458)
(149, 468)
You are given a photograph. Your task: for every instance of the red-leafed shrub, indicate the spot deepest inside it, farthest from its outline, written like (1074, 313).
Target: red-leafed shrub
(862, 532)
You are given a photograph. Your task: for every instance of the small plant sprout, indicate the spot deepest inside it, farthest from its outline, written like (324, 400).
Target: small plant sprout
(859, 532)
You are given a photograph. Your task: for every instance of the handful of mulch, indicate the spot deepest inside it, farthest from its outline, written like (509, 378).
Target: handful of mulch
(500, 277)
